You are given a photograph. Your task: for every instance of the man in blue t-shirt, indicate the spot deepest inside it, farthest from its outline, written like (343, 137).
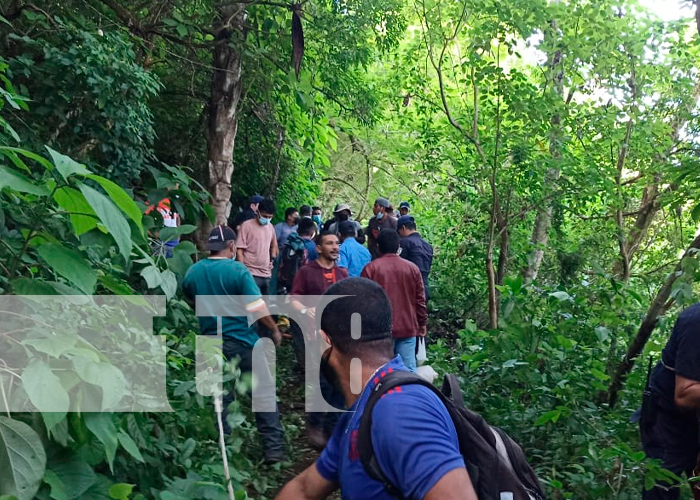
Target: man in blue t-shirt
(353, 256)
(413, 437)
(221, 275)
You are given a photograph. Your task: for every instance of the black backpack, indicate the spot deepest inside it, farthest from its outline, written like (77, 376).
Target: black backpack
(496, 464)
(292, 257)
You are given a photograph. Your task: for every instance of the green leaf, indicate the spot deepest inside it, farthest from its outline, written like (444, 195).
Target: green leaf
(121, 199)
(58, 489)
(550, 416)
(52, 419)
(105, 376)
(170, 233)
(22, 459)
(76, 474)
(53, 345)
(121, 491)
(28, 154)
(181, 30)
(152, 276)
(44, 388)
(560, 295)
(70, 264)
(66, 165)
(71, 200)
(17, 182)
(186, 246)
(30, 286)
(130, 446)
(102, 426)
(168, 283)
(111, 217)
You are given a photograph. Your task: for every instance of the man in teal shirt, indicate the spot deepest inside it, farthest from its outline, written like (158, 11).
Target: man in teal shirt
(221, 275)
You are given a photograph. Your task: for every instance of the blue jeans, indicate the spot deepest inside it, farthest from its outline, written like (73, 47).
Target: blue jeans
(406, 348)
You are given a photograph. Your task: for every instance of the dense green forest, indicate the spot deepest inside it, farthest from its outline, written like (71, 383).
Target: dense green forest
(547, 148)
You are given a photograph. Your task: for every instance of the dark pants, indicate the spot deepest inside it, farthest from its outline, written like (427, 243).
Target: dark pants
(327, 420)
(268, 423)
(671, 437)
(299, 346)
(264, 286)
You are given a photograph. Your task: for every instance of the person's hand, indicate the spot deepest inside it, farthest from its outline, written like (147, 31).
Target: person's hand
(423, 331)
(276, 337)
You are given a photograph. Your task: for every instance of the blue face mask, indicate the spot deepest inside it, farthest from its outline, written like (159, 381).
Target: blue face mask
(263, 221)
(380, 215)
(317, 219)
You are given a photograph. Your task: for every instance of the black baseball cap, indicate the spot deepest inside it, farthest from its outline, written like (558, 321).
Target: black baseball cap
(219, 238)
(404, 204)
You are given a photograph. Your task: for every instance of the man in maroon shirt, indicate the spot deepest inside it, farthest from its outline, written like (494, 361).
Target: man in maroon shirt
(311, 281)
(402, 282)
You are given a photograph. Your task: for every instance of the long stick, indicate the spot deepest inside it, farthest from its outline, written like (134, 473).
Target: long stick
(218, 406)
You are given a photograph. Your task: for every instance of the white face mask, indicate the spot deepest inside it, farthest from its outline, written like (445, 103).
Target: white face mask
(380, 215)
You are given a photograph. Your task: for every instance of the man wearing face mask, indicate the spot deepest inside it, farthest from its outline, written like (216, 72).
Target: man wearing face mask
(414, 439)
(317, 217)
(257, 245)
(383, 219)
(287, 227)
(221, 275)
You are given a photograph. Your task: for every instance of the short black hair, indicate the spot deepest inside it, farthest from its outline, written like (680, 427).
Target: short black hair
(347, 228)
(289, 212)
(319, 238)
(368, 300)
(411, 226)
(388, 241)
(314, 208)
(268, 206)
(305, 211)
(306, 227)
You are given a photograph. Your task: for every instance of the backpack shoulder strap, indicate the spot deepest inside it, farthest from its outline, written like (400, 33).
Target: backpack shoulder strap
(364, 440)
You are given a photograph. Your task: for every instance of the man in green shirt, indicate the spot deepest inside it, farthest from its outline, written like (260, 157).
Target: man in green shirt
(221, 275)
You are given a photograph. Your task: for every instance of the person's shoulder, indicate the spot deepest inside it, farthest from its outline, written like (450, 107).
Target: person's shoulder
(407, 399)
(343, 272)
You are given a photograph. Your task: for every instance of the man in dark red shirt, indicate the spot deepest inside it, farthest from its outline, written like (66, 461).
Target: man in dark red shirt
(311, 281)
(403, 283)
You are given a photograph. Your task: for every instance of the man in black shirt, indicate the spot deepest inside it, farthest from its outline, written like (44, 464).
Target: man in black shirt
(670, 426)
(415, 249)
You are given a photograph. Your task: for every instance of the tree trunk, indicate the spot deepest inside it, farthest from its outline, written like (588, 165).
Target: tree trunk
(223, 105)
(649, 204)
(657, 309)
(543, 218)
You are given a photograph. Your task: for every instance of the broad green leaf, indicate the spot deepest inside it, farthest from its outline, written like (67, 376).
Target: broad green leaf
(120, 198)
(115, 285)
(18, 162)
(102, 426)
(58, 489)
(30, 286)
(29, 154)
(186, 246)
(105, 376)
(550, 416)
(152, 276)
(53, 345)
(44, 388)
(22, 459)
(121, 491)
(75, 474)
(66, 165)
(168, 283)
(130, 446)
(70, 264)
(560, 295)
(111, 217)
(170, 233)
(17, 182)
(81, 214)
(52, 419)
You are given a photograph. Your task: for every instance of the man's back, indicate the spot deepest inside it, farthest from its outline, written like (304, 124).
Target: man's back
(374, 227)
(353, 256)
(413, 436)
(415, 249)
(403, 283)
(224, 277)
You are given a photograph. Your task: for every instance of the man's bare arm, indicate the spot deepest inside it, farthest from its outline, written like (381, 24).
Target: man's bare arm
(239, 255)
(309, 485)
(263, 315)
(687, 393)
(455, 485)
